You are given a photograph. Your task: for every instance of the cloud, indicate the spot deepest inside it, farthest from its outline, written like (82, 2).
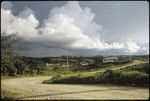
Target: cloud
(6, 5)
(132, 46)
(22, 26)
(76, 25)
(67, 27)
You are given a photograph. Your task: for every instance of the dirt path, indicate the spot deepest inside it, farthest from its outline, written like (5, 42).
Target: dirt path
(32, 88)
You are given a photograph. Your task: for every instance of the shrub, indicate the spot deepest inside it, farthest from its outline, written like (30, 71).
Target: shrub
(141, 68)
(134, 77)
(6, 95)
(121, 77)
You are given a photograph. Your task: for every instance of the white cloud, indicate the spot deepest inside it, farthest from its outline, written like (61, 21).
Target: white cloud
(69, 26)
(132, 46)
(23, 27)
(71, 22)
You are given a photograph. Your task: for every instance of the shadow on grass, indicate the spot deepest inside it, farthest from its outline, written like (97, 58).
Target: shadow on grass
(77, 92)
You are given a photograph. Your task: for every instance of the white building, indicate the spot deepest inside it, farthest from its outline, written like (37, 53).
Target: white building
(110, 59)
(84, 63)
(48, 64)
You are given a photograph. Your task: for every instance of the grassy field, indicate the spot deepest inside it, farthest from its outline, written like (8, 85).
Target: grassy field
(62, 70)
(133, 74)
(7, 95)
(29, 88)
(23, 87)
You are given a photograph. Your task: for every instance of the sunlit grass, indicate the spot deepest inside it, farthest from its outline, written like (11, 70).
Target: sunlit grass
(7, 95)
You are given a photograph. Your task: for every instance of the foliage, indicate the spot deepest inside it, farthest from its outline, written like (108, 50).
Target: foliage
(7, 56)
(7, 95)
(140, 67)
(121, 77)
(12, 64)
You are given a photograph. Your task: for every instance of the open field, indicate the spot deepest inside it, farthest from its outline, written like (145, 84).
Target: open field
(32, 88)
(133, 74)
(135, 62)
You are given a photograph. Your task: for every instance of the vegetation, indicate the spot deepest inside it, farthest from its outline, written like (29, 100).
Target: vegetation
(141, 68)
(7, 56)
(137, 76)
(7, 95)
(13, 64)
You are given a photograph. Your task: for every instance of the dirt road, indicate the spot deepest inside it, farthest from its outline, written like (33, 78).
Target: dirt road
(32, 88)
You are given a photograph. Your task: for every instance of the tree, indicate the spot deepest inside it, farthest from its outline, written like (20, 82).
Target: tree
(98, 59)
(19, 64)
(7, 56)
(40, 67)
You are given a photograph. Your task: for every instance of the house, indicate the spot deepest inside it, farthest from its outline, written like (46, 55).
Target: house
(110, 59)
(49, 64)
(84, 63)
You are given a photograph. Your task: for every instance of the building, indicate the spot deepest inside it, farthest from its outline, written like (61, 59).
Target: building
(49, 64)
(84, 63)
(110, 59)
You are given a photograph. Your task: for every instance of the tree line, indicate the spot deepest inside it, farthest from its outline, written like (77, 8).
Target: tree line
(13, 64)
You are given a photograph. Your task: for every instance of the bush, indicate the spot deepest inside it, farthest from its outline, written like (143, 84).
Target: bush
(71, 79)
(141, 68)
(134, 77)
(6, 95)
(109, 76)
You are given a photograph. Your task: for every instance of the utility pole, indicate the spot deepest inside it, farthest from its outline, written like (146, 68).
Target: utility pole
(130, 55)
(60, 60)
(67, 62)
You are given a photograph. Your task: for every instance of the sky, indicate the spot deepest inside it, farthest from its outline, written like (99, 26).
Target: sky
(88, 28)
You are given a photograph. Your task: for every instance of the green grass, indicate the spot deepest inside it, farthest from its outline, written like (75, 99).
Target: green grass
(141, 68)
(59, 69)
(136, 75)
(7, 95)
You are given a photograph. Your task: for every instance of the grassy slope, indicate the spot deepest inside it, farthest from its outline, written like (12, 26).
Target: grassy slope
(115, 76)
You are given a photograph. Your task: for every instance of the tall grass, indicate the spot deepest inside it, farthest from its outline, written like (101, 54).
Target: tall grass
(137, 76)
(141, 68)
(7, 95)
